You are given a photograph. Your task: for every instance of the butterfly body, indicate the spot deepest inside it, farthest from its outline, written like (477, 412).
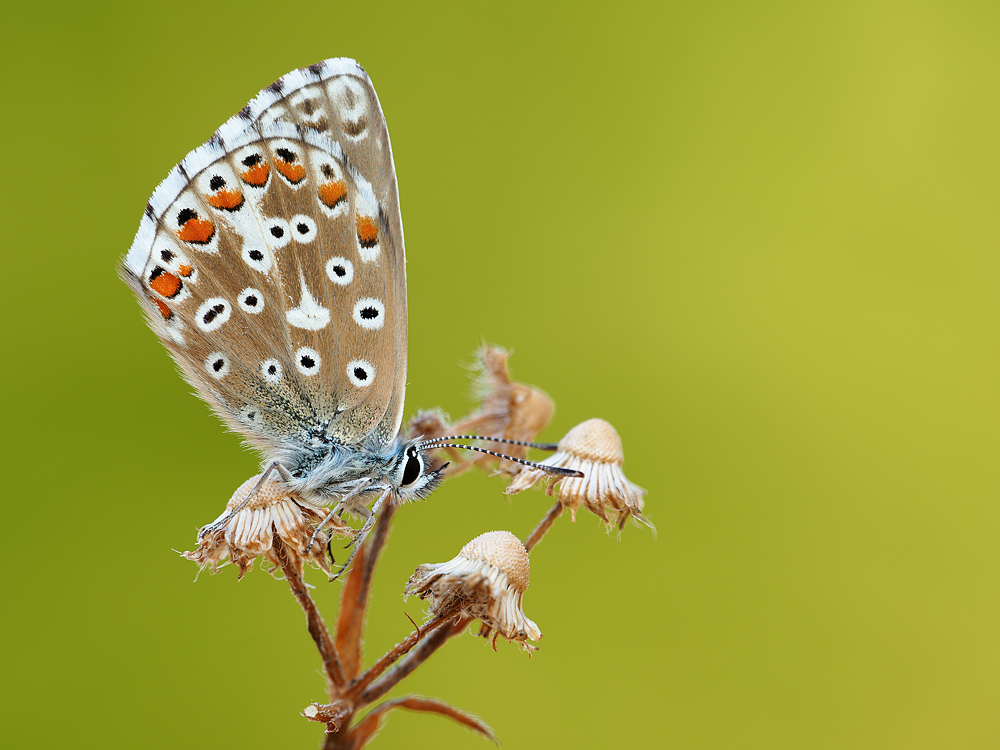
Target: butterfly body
(270, 263)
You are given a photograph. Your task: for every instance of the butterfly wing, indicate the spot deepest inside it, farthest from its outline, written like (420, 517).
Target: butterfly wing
(272, 268)
(336, 98)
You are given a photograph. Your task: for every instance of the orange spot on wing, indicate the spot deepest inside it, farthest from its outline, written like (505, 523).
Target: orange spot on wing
(165, 311)
(367, 231)
(256, 175)
(229, 200)
(185, 271)
(165, 284)
(294, 172)
(196, 230)
(332, 193)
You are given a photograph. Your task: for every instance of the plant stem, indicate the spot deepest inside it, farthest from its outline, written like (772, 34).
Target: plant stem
(403, 647)
(543, 526)
(314, 620)
(356, 592)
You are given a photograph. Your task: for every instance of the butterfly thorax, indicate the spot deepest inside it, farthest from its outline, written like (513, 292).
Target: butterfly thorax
(331, 471)
(328, 475)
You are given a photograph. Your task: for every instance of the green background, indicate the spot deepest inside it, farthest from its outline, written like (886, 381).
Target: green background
(760, 238)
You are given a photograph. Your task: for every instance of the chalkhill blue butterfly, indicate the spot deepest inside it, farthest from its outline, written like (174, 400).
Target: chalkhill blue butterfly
(270, 263)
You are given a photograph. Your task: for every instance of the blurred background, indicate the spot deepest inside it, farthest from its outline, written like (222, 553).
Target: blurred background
(761, 239)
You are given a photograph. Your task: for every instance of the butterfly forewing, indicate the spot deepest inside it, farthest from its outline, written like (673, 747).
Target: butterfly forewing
(335, 98)
(271, 264)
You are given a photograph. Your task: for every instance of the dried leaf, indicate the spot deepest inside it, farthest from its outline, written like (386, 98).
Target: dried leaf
(369, 726)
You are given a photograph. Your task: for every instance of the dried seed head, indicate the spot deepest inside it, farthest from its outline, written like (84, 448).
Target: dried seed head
(594, 440)
(594, 448)
(503, 551)
(486, 581)
(241, 536)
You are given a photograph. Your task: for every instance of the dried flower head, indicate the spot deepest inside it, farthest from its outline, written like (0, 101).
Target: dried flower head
(594, 448)
(507, 409)
(243, 535)
(485, 581)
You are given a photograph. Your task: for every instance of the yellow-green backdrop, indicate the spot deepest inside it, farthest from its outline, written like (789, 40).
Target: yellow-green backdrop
(760, 238)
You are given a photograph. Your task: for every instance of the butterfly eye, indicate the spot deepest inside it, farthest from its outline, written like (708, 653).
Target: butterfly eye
(414, 466)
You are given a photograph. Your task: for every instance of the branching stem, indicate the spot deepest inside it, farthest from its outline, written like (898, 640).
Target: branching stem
(400, 649)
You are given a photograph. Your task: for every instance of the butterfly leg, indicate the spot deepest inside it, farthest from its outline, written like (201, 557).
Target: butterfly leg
(338, 509)
(222, 520)
(363, 533)
(319, 528)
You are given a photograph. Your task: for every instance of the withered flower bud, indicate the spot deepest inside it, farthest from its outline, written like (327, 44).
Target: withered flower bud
(594, 448)
(486, 581)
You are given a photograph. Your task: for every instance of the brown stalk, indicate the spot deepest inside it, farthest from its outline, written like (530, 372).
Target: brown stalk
(400, 649)
(407, 655)
(351, 616)
(357, 590)
(314, 620)
(409, 663)
(543, 526)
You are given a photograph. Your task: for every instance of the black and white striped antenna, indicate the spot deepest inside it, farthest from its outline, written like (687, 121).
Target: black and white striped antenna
(445, 442)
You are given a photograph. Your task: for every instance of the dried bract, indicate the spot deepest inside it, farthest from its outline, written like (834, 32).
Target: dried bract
(507, 409)
(241, 536)
(595, 449)
(486, 581)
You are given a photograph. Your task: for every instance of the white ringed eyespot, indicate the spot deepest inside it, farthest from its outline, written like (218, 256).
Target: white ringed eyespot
(360, 372)
(369, 313)
(271, 370)
(217, 365)
(340, 270)
(212, 314)
(307, 361)
(251, 300)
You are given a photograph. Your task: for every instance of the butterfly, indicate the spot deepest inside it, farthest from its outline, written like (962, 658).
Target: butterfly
(270, 263)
